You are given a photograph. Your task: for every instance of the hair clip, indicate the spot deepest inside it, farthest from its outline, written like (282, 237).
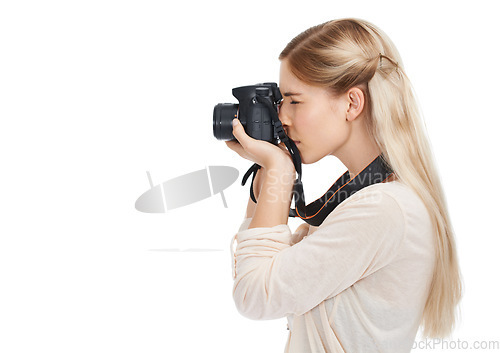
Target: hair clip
(395, 63)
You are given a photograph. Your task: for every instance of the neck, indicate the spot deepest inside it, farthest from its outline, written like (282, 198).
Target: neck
(359, 151)
(359, 161)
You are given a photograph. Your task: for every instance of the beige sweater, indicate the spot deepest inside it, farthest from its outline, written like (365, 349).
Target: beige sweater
(356, 283)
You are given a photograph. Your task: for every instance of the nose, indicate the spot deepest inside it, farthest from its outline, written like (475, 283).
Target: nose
(284, 118)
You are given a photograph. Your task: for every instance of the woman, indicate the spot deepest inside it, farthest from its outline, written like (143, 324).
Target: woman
(382, 263)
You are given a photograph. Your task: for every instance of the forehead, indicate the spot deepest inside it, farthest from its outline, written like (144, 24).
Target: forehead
(289, 83)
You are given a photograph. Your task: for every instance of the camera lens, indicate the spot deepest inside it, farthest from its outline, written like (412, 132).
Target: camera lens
(224, 113)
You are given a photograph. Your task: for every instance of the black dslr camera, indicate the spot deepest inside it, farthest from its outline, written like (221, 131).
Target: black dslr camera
(257, 105)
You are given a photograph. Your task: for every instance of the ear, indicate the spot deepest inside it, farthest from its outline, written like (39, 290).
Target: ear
(356, 100)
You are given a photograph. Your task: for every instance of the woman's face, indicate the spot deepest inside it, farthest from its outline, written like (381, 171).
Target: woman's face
(312, 117)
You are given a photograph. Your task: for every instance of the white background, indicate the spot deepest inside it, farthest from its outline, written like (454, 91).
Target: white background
(95, 93)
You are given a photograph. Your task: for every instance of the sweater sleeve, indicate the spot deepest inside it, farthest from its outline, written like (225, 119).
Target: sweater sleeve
(301, 231)
(274, 277)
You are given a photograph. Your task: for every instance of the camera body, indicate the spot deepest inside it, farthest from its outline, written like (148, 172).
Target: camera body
(252, 113)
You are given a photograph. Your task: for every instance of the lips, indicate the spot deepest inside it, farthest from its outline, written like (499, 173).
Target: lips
(295, 141)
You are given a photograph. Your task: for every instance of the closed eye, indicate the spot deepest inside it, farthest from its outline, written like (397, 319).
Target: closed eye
(294, 102)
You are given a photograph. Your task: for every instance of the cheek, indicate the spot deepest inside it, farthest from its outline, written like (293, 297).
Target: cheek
(318, 124)
(322, 132)
(310, 120)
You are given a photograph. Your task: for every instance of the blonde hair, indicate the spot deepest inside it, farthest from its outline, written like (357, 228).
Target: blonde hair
(344, 53)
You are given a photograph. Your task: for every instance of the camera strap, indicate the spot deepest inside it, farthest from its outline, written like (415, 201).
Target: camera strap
(316, 212)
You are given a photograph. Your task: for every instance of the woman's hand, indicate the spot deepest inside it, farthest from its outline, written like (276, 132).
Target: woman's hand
(263, 153)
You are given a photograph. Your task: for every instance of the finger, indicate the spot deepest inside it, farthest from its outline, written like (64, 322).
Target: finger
(239, 132)
(285, 150)
(235, 146)
(231, 143)
(283, 147)
(238, 148)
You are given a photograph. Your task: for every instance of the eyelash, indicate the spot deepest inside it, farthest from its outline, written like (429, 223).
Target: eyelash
(291, 102)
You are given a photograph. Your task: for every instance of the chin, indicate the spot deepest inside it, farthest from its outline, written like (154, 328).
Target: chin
(309, 159)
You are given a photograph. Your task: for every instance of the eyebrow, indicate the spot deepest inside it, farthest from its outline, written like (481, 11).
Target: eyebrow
(288, 94)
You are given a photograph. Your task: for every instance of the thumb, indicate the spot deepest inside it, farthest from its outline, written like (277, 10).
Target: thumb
(239, 132)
